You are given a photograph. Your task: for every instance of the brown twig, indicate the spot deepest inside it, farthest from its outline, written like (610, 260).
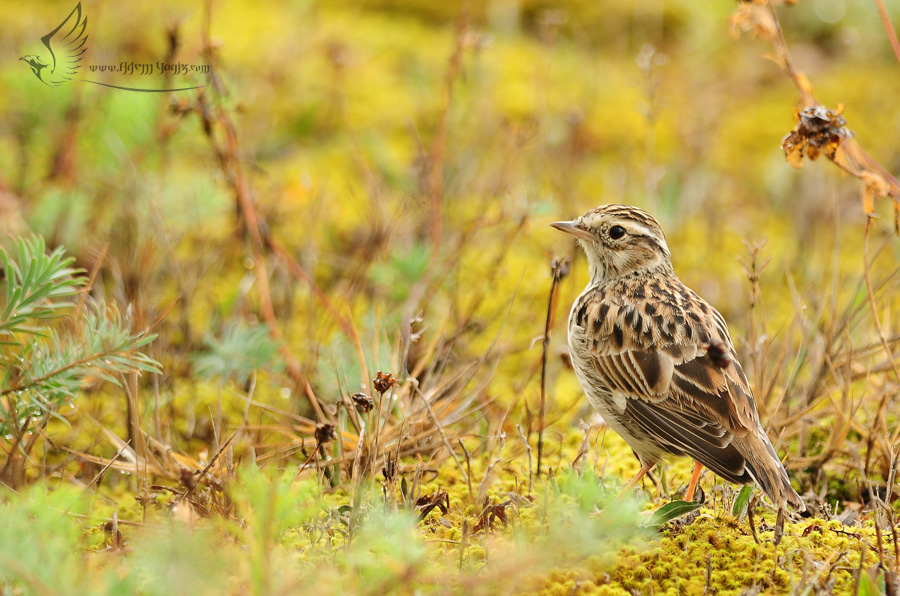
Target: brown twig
(309, 459)
(11, 454)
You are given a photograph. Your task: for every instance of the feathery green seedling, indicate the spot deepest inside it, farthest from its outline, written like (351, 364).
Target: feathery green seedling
(47, 365)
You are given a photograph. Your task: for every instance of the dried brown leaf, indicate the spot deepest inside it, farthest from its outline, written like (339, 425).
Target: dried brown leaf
(490, 514)
(426, 503)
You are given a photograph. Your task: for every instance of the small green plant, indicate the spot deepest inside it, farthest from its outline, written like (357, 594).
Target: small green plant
(52, 345)
(242, 350)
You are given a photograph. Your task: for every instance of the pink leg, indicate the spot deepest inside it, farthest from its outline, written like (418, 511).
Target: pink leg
(645, 467)
(698, 467)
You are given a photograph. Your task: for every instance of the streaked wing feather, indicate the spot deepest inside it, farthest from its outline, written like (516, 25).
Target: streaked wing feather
(685, 434)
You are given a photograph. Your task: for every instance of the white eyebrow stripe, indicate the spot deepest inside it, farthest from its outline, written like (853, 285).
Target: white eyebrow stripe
(640, 230)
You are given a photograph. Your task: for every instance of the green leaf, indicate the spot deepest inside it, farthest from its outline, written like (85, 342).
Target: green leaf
(868, 586)
(739, 509)
(671, 511)
(37, 284)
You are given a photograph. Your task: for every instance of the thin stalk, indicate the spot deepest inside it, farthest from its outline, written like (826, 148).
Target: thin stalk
(559, 268)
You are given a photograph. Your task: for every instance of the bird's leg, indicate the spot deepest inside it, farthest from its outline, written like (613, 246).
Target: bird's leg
(645, 467)
(698, 467)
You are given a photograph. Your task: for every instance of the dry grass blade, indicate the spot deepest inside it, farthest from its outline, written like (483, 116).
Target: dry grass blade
(99, 476)
(207, 467)
(440, 429)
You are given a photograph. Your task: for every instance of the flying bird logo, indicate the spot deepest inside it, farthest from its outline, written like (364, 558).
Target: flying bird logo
(65, 51)
(66, 47)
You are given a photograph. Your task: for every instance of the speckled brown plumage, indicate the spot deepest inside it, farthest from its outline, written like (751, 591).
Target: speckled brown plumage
(656, 360)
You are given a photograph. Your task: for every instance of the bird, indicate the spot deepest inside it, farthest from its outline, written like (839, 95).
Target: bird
(657, 362)
(66, 46)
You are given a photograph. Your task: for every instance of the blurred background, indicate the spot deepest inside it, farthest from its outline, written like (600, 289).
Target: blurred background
(403, 159)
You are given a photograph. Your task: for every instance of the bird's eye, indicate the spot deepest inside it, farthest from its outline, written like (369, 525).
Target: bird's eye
(616, 232)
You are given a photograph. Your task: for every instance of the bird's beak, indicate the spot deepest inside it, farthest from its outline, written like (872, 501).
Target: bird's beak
(573, 227)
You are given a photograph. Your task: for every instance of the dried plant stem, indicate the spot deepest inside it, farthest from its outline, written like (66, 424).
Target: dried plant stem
(374, 420)
(557, 274)
(300, 273)
(206, 468)
(309, 459)
(849, 156)
(893, 526)
(861, 569)
(528, 452)
(468, 465)
(230, 163)
(438, 145)
(463, 544)
(11, 457)
(228, 155)
(787, 63)
(888, 28)
(366, 379)
(99, 475)
(355, 474)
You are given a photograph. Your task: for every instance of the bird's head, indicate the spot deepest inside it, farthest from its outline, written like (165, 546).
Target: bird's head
(620, 241)
(32, 60)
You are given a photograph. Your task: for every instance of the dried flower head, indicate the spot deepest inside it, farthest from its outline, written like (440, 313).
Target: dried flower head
(819, 131)
(325, 433)
(559, 267)
(383, 382)
(363, 402)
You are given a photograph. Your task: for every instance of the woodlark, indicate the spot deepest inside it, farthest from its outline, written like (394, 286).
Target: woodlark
(656, 360)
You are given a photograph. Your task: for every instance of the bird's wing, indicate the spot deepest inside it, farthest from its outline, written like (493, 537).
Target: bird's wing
(66, 45)
(656, 360)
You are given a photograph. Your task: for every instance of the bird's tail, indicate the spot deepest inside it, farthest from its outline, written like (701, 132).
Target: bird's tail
(765, 467)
